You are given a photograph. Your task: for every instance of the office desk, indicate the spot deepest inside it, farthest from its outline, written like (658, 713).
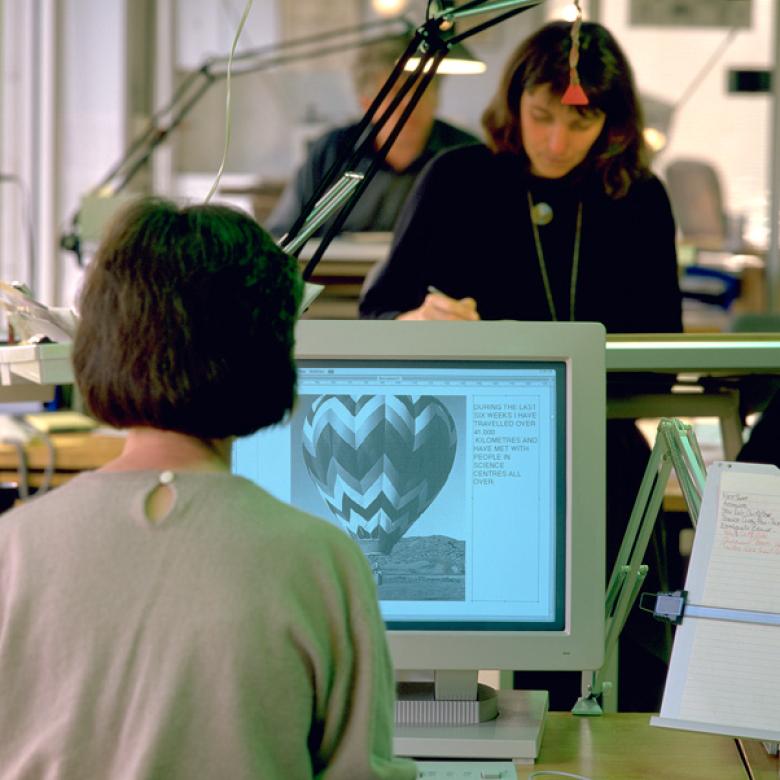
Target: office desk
(713, 355)
(705, 354)
(624, 746)
(347, 260)
(721, 358)
(73, 453)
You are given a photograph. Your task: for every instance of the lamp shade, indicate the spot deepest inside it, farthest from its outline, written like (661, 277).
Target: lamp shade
(459, 61)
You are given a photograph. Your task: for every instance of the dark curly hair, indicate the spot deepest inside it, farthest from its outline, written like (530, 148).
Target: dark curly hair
(619, 155)
(187, 323)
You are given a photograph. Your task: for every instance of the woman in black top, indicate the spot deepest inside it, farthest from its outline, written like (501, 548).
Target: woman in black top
(558, 218)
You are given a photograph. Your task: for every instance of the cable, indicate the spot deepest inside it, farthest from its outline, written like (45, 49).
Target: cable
(555, 773)
(229, 10)
(48, 469)
(23, 469)
(743, 758)
(706, 68)
(22, 484)
(227, 101)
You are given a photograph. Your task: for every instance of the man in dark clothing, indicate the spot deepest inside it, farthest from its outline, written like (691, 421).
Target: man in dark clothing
(421, 138)
(763, 446)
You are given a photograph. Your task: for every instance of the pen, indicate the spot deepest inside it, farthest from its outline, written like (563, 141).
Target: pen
(437, 291)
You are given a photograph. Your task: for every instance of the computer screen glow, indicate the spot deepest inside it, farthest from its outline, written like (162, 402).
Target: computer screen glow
(450, 475)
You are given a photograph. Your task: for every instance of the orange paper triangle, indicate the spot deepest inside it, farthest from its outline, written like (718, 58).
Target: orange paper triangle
(574, 96)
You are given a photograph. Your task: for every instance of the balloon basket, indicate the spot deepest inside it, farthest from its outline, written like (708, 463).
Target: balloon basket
(375, 561)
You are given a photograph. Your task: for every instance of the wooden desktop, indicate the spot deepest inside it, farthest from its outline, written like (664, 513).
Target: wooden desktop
(73, 453)
(623, 746)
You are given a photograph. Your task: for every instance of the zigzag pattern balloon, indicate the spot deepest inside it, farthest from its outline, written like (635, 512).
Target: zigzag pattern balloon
(378, 461)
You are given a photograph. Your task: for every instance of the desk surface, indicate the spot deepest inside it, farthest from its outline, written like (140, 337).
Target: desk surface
(73, 452)
(716, 354)
(363, 248)
(624, 746)
(720, 353)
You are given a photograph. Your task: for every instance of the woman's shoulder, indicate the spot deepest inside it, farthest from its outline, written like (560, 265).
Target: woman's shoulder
(472, 157)
(288, 520)
(648, 188)
(313, 543)
(646, 196)
(473, 166)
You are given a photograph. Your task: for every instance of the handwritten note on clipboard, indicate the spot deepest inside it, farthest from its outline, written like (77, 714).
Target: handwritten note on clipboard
(724, 676)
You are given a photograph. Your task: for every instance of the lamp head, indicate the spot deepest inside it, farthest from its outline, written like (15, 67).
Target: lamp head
(458, 62)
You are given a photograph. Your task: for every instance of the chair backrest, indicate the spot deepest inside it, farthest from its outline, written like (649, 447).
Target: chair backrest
(697, 202)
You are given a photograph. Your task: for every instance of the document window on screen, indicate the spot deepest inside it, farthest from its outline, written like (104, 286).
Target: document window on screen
(450, 475)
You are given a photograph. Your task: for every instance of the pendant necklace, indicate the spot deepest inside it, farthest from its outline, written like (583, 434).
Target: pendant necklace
(541, 214)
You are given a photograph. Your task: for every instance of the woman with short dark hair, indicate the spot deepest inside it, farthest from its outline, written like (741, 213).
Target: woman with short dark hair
(161, 617)
(186, 323)
(557, 218)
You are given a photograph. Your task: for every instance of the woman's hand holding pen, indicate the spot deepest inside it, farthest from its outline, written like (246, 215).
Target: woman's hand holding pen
(438, 306)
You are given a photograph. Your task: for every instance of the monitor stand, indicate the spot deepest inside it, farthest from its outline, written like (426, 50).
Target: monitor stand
(515, 734)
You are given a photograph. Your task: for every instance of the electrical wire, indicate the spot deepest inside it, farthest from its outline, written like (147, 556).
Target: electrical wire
(744, 758)
(229, 10)
(22, 474)
(705, 69)
(218, 178)
(23, 468)
(48, 470)
(555, 773)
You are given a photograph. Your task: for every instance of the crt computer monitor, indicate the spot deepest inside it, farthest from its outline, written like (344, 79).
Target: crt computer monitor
(467, 461)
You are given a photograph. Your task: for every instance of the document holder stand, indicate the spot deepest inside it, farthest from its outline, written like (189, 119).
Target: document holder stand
(675, 448)
(722, 676)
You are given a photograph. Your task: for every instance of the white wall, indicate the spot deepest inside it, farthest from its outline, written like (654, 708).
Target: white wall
(92, 109)
(729, 131)
(18, 114)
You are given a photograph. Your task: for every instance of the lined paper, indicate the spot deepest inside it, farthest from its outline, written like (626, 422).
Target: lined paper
(725, 676)
(744, 567)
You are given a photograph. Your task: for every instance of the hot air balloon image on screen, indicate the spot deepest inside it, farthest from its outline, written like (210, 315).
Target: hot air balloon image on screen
(378, 461)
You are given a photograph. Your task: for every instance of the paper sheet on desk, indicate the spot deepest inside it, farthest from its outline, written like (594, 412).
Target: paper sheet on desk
(310, 292)
(33, 318)
(724, 676)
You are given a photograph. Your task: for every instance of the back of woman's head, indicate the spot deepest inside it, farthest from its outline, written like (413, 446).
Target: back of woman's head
(619, 154)
(187, 323)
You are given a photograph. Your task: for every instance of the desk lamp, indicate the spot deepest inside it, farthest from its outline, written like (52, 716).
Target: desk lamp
(101, 201)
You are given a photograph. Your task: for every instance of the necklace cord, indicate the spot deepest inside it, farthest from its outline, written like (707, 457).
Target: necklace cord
(575, 262)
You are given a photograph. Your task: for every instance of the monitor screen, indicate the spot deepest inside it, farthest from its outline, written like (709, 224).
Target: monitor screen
(450, 475)
(467, 462)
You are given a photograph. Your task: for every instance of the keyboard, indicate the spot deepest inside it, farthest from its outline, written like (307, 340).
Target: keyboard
(466, 770)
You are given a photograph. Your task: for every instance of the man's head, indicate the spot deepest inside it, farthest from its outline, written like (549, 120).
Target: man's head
(187, 319)
(373, 65)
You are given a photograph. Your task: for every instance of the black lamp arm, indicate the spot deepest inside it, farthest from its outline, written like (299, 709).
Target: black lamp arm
(364, 134)
(432, 58)
(433, 47)
(477, 28)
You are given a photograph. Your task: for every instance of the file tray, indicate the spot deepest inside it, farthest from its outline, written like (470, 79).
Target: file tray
(43, 364)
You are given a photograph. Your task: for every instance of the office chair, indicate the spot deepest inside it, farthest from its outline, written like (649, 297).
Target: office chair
(697, 202)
